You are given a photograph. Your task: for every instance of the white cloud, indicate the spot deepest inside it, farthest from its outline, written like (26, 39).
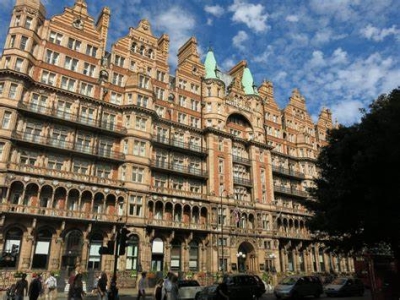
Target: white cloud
(347, 111)
(373, 33)
(238, 40)
(263, 57)
(292, 18)
(250, 14)
(227, 64)
(209, 22)
(178, 26)
(339, 56)
(317, 60)
(215, 10)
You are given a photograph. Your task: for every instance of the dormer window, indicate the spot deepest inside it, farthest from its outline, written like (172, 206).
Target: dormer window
(134, 47)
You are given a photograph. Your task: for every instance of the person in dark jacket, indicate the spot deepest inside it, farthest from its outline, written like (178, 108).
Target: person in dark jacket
(76, 289)
(35, 288)
(21, 288)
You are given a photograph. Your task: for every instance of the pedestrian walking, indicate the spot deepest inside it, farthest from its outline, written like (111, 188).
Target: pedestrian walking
(165, 294)
(158, 290)
(35, 287)
(142, 287)
(21, 288)
(102, 287)
(76, 289)
(51, 284)
(174, 288)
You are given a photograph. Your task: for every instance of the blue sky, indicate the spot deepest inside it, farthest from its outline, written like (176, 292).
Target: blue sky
(341, 54)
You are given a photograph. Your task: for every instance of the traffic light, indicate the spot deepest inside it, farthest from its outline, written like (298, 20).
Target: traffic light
(109, 250)
(123, 238)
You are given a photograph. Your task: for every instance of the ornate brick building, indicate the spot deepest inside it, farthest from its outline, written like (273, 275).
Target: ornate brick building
(201, 166)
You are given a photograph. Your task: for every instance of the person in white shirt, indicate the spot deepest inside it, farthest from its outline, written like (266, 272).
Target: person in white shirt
(51, 284)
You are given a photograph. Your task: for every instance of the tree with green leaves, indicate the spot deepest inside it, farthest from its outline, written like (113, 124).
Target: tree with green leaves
(357, 195)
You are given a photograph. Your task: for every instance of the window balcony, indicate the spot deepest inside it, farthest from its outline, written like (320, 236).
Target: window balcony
(287, 172)
(17, 209)
(241, 160)
(66, 146)
(242, 181)
(290, 191)
(176, 224)
(179, 169)
(178, 145)
(72, 119)
(63, 175)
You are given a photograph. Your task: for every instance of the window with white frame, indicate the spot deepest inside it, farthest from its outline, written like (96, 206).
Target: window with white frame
(161, 157)
(142, 100)
(55, 162)
(137, 174)
(52, 57)
(160, 76)
(160, 93)
(194, 104)
(182, 84)
(48, 77)
(182, 101)
(28, 22)
(91, 50)
(12, 94)
(74, 44)
(140, 123)
(71, 63)
(1, 150)
(83, 142)
(64, 109)
(182, 118)
(28, 157)
(86, 89)
(195, 186)
(12, 41)
(115, 98)
(160, 180)
(139, 148)
(105, 147)
(194, 122)
(59, 136)
(87, 115)
(17, 20)
(103, 170)
(18, 64)
(177, 183)
(24, 42)
(6, 120)
(160, 110)
(194, 88)
(68, 83)
(89, 69)
(81, 166)
(143, 82)
(118, 79)
(135, 205)
(119, 60)
(55, 37)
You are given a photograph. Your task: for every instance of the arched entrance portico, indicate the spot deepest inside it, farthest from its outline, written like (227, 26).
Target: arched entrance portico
(246, 258)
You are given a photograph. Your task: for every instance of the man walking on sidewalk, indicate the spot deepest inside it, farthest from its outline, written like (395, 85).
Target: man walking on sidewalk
(142, 287)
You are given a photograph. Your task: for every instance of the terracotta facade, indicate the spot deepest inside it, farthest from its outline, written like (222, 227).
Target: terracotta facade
(95, 140)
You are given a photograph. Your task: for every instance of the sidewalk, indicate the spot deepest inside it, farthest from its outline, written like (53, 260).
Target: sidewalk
(126, 294)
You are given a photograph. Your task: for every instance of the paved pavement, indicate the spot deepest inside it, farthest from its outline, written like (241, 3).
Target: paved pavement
(131, 294)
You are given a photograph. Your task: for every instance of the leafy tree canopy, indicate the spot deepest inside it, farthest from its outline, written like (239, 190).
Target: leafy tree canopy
(358, 192)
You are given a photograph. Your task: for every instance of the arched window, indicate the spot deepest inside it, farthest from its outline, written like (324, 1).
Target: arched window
(193, 256)
(132, 253)
(73, 247)
(40, 258)
(96, 241)
(11, 248)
